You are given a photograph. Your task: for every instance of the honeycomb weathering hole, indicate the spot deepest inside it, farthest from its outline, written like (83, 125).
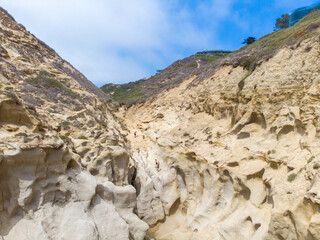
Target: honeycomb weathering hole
(72, 164)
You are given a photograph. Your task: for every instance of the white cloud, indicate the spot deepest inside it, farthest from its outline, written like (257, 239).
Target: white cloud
(217, 8)
(125, 40)
(119, 40)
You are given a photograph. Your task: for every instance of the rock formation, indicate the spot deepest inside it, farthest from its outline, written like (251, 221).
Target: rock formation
(236, 142)
(65, 166)
(238, 149)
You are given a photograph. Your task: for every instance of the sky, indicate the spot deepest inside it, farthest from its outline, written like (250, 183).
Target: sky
(119, 41)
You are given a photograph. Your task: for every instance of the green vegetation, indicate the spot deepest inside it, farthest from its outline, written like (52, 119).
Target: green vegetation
(109, 88)
(249, 40)
(210, 58)
(22, 73)
(310, 159)
(134, 92)
(126, 93)
(128, 96)
(271, 42)
(192, 64)
(248, 57)
(282, 22)
(45, 78)
(244, 77)
(292, 177)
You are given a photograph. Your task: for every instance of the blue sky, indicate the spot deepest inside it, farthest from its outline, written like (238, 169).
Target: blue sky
(118, 41)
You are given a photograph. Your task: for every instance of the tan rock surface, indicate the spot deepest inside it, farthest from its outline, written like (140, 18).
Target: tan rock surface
(65, 168)
(238, 153)
(234, 163)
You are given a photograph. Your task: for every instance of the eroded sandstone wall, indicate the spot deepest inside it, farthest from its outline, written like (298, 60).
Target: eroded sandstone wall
(238, 152)
(65, 166)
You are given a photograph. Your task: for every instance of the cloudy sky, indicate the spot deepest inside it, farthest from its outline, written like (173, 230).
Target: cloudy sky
(118, 41)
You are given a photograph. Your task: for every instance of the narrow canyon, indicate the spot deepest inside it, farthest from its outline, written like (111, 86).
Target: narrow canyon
(229, 151)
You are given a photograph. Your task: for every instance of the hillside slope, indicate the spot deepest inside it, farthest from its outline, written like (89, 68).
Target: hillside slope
(172, 76)
(203, 65)
(237, 145)
(236, 140)
(65, 166)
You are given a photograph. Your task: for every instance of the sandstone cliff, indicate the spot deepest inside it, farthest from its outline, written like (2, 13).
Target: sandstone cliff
(238, 146)
(236, 140)
(65, 166)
